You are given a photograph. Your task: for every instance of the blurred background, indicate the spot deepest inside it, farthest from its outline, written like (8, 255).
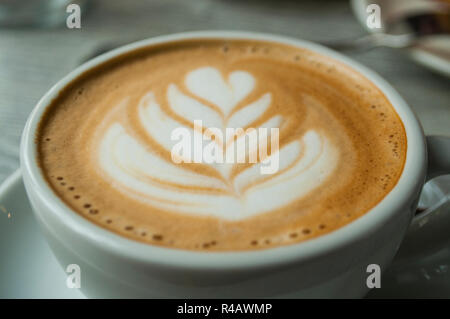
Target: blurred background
(411, 50)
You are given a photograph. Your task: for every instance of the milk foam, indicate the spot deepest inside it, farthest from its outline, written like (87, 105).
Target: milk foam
(104, 145)
(138, 170)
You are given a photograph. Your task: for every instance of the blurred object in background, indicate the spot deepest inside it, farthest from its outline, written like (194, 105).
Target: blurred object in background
(421, 17)
(35, 13)
(425, 22)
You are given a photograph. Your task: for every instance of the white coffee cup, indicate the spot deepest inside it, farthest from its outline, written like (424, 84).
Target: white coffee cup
(332, 265)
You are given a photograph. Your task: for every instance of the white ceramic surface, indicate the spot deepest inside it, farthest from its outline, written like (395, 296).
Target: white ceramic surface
(333, 265)
(35, 273)
(28, 268)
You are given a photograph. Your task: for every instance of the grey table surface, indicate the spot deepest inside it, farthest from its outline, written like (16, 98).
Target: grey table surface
(32, 60)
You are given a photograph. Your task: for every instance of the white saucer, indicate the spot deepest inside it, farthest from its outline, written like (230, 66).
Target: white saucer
(28, 268)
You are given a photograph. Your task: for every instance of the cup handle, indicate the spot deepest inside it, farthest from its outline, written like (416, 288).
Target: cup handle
(429, 231)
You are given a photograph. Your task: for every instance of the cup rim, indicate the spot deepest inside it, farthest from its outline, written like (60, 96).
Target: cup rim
(411, 179)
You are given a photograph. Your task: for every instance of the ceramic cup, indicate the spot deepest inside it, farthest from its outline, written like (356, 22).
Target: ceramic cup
(332, 265)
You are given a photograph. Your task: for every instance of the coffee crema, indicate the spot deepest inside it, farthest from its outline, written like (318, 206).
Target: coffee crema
(104, 145)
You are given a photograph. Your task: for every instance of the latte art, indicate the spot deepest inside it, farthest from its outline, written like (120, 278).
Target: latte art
(296, 145)
(140, 173)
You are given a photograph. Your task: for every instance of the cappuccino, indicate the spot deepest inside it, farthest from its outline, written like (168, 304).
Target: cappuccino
(104, 145)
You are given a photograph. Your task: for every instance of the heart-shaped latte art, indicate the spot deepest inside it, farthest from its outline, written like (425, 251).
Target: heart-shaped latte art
(143, 174)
